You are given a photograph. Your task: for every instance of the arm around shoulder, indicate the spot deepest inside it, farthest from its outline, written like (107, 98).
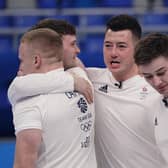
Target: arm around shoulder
(35, 84)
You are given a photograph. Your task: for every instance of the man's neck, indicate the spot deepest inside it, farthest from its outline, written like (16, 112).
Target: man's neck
(50, 67)
(127, 75)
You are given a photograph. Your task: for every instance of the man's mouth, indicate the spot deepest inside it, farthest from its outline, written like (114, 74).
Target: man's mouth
(162, 88)
(115, 62)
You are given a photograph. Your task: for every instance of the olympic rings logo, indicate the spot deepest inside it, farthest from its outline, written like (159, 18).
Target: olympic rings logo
(86, 126)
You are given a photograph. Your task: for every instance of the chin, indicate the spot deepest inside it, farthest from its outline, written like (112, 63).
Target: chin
(114, 70)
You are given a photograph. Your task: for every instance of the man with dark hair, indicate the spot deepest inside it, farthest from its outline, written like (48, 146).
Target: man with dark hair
(151, 56)
(68, 33)
(125, 125)
(62, 27)
(124, 22)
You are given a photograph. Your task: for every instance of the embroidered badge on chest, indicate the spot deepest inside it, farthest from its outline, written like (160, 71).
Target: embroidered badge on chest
(143, 93)
(82, 105)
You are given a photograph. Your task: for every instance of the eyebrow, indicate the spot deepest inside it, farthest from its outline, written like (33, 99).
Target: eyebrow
(73, 41)
(109, 42)
(158, 70)
(162, 68)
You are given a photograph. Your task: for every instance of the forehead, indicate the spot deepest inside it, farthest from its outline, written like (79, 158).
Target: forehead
(69, 38)
(154, 66)
(24, 46)
(123, 35)
(24, 49)
(21, 47)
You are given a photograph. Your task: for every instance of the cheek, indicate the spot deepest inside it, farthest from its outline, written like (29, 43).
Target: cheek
(27, 65)
(165, 77)
(129, 53)
(106, 53)
(128, 57)
(66, 53)
(20, 65)
(106, 57)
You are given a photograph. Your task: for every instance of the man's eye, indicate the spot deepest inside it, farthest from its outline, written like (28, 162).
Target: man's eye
(148, 77)
(161, 73)
(122, 46)
(108, 45)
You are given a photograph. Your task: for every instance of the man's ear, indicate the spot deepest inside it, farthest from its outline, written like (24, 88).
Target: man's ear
(37, 61)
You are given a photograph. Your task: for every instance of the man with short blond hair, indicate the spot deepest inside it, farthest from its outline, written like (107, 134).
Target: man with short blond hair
(52, 129)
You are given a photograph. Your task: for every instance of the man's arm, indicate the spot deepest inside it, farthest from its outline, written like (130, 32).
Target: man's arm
(27, 147)
(39, 83)
(27, 119)
(35, 84)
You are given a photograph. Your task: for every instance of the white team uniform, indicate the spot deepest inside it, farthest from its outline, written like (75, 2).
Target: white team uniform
(125, 122)
(126, 136)
(67, 124)
(161, 132)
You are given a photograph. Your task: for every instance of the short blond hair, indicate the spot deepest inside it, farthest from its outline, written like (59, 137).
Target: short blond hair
(46, 41)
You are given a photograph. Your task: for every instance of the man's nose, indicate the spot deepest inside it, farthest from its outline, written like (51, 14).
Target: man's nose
(114, 51)
(77, 49)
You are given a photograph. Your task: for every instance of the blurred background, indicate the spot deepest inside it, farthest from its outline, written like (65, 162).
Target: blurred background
(89, 16)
